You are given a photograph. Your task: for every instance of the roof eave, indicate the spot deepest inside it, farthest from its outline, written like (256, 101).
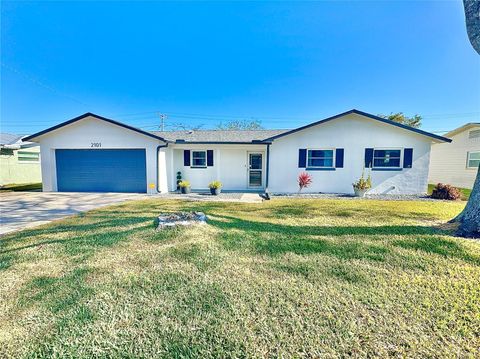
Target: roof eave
(357, 112)
(177, 142)
(88, 114)
(462, 128)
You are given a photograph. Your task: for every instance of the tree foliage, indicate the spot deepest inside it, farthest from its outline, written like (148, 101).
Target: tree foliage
(414, 121)
(240, 125)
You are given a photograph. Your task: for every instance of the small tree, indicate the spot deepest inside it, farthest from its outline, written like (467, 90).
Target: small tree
(240, 125)
(414, 121)
(304, 180)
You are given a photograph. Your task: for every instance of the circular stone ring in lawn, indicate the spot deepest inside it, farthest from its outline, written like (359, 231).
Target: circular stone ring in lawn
(172, 220)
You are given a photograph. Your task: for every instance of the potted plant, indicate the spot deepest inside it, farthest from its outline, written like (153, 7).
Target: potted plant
(215, 187)
(184, 187)
(362, 186)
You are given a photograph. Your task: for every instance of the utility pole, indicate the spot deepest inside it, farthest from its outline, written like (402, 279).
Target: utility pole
(163, 117)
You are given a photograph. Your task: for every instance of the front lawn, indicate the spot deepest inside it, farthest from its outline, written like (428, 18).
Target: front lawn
(289, 277)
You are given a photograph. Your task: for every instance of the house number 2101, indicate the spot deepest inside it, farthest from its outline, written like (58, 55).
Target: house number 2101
(96, 144)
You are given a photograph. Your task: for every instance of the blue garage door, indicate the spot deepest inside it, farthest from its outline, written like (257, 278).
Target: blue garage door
(101, 170)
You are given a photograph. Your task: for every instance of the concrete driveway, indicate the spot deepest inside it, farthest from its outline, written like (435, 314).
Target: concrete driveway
(20, 210)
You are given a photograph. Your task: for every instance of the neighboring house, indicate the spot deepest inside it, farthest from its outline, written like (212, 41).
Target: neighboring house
(93, 153)
(19, 161)
(457, 163)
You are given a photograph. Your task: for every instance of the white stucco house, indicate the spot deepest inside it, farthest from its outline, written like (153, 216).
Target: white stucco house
(93, 153)
(457, 163)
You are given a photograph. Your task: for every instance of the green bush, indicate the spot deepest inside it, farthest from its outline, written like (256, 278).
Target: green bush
(445, 191)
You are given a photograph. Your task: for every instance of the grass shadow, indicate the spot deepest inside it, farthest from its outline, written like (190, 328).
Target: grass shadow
(278, 239)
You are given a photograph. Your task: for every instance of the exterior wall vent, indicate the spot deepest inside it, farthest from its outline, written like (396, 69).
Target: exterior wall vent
(474, 134)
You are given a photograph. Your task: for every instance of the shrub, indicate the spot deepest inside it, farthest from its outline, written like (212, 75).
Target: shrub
(445, 191)
(215, 184)
(182, 184)
(304, 180)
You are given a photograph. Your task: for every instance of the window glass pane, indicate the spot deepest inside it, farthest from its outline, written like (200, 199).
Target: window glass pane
(320, 162)
(320, 158)
(386, 158)
(387, 153)
(198, 162)
(320, 153)
(199, 154)
(255, 178)
(386, 162)
(199, 158)
(28, 156)
(255, 161)
(474, 155)
(473, 163)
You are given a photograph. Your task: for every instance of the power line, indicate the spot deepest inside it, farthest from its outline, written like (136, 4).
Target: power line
(206, 117)
(40, 83)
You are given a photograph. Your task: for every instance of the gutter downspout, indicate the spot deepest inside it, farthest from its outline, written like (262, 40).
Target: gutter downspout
(159, 147)
(267, 196)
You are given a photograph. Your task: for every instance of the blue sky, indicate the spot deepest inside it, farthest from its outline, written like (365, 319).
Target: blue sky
(283, 63)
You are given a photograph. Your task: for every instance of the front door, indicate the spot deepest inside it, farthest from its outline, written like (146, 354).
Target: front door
(255, 170)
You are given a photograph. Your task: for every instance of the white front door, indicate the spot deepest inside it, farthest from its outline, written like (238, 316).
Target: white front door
(255, 170)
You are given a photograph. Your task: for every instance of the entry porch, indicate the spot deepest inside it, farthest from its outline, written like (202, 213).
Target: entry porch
(238, 167)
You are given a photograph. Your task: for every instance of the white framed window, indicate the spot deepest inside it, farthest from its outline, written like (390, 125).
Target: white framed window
(199, 159)
(30, 157)
(473, 159)
(387, 157)
(320, 158)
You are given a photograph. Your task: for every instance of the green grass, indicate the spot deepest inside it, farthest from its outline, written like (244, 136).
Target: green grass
(286, 278)
(464, 192)
(21, 187)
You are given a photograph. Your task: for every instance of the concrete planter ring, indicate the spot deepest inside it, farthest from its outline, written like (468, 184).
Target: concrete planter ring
(215, 191)
(185, 190)
(360, 192)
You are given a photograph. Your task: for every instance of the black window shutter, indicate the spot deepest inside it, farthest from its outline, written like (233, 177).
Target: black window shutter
(407, 157)
(339, 158)
(186, 158)
(368, 157)
(209, 158)
(302, 158)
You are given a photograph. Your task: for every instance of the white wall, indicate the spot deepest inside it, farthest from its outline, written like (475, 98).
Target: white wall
(81, 135)
(229, 166)
(448, 162)
(353, 133)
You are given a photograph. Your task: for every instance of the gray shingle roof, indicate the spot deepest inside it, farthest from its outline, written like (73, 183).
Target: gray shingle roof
(218, 135)
(9, 138)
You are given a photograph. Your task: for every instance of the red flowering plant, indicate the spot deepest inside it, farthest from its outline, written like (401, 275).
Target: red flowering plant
(304, 180)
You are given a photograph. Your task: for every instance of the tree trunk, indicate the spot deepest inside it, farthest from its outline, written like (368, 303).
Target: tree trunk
(469, 219)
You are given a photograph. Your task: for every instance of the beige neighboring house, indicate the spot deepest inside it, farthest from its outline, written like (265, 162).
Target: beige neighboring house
(19, 161)
(456, 163)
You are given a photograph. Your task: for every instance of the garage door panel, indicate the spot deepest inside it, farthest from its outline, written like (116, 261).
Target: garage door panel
(122, 170)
